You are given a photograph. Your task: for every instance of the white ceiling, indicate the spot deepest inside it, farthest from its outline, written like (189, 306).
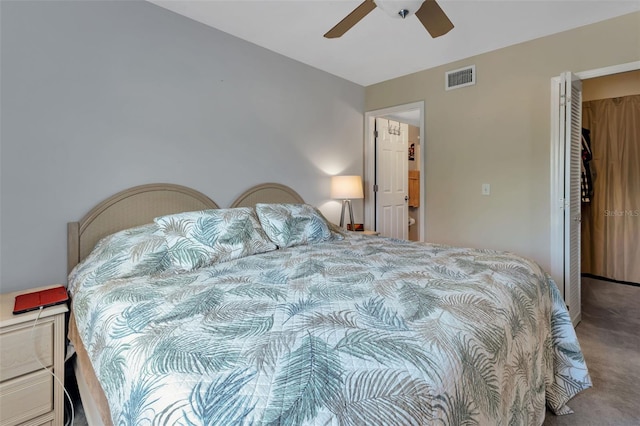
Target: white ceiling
(380, 47)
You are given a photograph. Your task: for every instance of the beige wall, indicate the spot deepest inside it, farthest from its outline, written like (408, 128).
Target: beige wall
(611, 86)
(498, 132)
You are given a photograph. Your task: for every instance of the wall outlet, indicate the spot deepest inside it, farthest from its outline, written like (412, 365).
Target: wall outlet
(486, 189)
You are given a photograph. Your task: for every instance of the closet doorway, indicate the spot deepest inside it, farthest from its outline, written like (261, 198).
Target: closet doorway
(409, 118)
(611, 204)
(565, 238)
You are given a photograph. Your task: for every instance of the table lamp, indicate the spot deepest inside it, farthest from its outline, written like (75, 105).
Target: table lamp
(346, 188)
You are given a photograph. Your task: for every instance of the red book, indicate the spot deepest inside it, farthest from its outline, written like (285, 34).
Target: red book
(33, 301)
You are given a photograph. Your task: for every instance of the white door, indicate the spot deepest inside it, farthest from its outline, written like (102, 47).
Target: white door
(392, 178)
(571, 141)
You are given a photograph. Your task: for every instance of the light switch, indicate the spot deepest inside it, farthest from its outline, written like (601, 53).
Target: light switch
(486, 189)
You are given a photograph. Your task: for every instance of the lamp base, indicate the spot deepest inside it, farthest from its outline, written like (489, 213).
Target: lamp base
(344, 204)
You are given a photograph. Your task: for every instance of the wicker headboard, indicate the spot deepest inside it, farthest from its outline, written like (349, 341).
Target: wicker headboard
(267, 193)
(141, 204)
(126, 209)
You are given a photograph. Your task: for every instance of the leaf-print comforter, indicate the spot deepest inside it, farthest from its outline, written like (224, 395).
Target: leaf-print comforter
(363, 331)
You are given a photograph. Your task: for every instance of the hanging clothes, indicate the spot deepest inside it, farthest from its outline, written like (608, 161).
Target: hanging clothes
(587, 183)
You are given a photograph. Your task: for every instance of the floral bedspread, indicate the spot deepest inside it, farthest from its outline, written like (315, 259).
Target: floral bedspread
(363, 331)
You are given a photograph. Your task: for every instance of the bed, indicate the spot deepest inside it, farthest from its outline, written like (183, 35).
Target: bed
(298, 322)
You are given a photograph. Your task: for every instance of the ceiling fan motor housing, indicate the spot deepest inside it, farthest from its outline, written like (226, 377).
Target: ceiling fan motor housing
(399, 8)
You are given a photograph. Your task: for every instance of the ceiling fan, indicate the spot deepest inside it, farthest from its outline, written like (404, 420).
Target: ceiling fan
(428, 13)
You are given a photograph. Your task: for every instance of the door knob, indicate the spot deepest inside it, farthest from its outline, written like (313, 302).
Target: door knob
(406, 198)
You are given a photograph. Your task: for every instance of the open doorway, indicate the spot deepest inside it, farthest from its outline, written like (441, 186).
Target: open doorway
(410, 117)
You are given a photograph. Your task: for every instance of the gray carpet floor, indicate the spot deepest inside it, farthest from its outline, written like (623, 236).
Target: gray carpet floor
(609, 335)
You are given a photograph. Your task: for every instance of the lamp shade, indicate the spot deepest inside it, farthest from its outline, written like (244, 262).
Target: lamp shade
(346, 187)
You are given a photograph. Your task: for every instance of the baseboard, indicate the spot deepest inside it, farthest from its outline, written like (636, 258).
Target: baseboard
(611, 280)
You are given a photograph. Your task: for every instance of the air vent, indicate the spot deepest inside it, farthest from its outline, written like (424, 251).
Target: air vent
(460, 78)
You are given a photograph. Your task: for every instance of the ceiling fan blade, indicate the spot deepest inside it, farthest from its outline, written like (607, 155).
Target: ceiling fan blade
(351, 19)
(434, 19)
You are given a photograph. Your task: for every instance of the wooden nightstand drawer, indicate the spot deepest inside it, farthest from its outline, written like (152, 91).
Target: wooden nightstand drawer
(25, 398)
(29, 395)
(20, 344)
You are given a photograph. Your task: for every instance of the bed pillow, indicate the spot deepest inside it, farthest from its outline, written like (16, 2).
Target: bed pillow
(289, 225)
(202, 238)
(128, 253)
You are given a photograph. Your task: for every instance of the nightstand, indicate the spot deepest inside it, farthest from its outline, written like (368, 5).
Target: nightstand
(28, 393)
(369, 232)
